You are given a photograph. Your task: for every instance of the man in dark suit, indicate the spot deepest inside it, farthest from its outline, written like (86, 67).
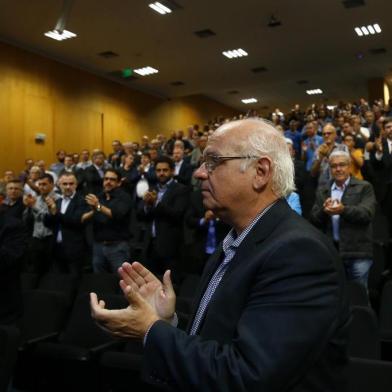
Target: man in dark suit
(163, 208)
(92, 177)
(204, 232)
(270, 314)
(13, 243)
(381, 160)
(65, 220)
(182, 168)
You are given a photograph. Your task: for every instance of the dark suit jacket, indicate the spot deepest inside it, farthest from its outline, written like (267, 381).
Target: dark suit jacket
(185, 174)
(355, 224)
(194, 213)
(382, 174)
(168, 216)
(13, 241)
(277, 321)
(72, 229)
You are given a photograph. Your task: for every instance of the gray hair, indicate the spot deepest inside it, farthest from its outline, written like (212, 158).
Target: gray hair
(266, 140)
(339, 153)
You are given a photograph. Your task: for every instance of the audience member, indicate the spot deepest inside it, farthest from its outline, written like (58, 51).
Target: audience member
(268, 315)
(110, 214)
(344, 209)
(65, 220)
(163, 207)
(41, 245)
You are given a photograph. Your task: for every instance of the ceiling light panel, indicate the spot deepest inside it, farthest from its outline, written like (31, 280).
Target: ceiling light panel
(314, 91)
(160, 8)
(249, 100)
(54, 34)
(368, 30)
(235, 53)
(145, 71)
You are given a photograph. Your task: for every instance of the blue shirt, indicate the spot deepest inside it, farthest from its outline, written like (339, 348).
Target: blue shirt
(294, 202)
(312, 143)
(337, 194)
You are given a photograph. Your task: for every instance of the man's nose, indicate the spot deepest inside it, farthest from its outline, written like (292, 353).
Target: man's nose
(201, 173)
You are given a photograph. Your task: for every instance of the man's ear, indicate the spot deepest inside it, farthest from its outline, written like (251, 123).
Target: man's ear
(263, 173)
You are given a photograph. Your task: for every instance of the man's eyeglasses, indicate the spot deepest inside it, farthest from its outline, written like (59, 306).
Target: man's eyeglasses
(110, 179)
(213, 161)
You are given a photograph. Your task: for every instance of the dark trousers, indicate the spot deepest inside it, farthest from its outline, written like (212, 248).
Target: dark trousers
(66, 261)
(41, 254)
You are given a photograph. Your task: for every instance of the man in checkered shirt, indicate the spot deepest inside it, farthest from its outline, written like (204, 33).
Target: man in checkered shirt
(271, 312)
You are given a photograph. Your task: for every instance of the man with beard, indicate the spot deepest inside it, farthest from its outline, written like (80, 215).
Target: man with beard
(110, 214)
(163, 207)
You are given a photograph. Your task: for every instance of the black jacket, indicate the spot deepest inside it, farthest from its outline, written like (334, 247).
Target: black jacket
(278, 321)
(70, 224)
(168, 217)
(13, 240)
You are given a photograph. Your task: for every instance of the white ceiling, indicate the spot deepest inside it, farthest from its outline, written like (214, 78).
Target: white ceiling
(316, 42)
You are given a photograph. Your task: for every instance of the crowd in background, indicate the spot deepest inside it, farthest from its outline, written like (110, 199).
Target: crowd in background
(89, 210)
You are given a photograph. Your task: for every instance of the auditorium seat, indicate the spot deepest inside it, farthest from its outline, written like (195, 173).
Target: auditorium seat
(99, 283)
(367, 375)
(9, 340)
(70, 362)
(364, 338)
(64, 283)
(45, 314)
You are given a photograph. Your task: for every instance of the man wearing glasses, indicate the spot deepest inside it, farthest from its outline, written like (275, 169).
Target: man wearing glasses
(320, 167)
(344, 210)
(270, 313)
(110, 214)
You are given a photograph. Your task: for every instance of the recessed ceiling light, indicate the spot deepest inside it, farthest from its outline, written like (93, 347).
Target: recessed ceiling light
(314, 91)
(232, 54)
(54, 34)
(368, 30)
(249, 100)
(160, 8)
(145, 71)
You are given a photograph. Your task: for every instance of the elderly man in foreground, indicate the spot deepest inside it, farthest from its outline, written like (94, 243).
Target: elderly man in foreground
(270, 313)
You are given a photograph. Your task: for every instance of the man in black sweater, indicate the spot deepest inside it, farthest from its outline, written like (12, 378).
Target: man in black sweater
(110, 214)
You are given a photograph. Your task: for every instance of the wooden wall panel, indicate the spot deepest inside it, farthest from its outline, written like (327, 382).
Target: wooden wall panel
(38, 118)
(76, 128)
(76, 110)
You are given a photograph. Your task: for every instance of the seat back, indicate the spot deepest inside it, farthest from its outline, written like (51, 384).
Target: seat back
(9, 340)
(369, 375)
(99, 283)
(28, 281)
(45, 312)
(64, 283)
(81, 330)
(385, 316)
(364, 339)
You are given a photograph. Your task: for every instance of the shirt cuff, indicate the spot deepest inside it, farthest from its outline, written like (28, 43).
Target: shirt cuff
(378, 155)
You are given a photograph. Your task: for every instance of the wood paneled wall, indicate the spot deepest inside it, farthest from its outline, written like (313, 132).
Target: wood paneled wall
(76, 110)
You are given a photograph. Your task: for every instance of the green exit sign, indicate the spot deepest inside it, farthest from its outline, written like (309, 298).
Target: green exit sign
(127, 72)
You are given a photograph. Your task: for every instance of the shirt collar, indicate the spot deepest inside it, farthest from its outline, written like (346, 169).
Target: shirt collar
(165, 186)
(335, 187)
(232, 240)
(68, 197)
